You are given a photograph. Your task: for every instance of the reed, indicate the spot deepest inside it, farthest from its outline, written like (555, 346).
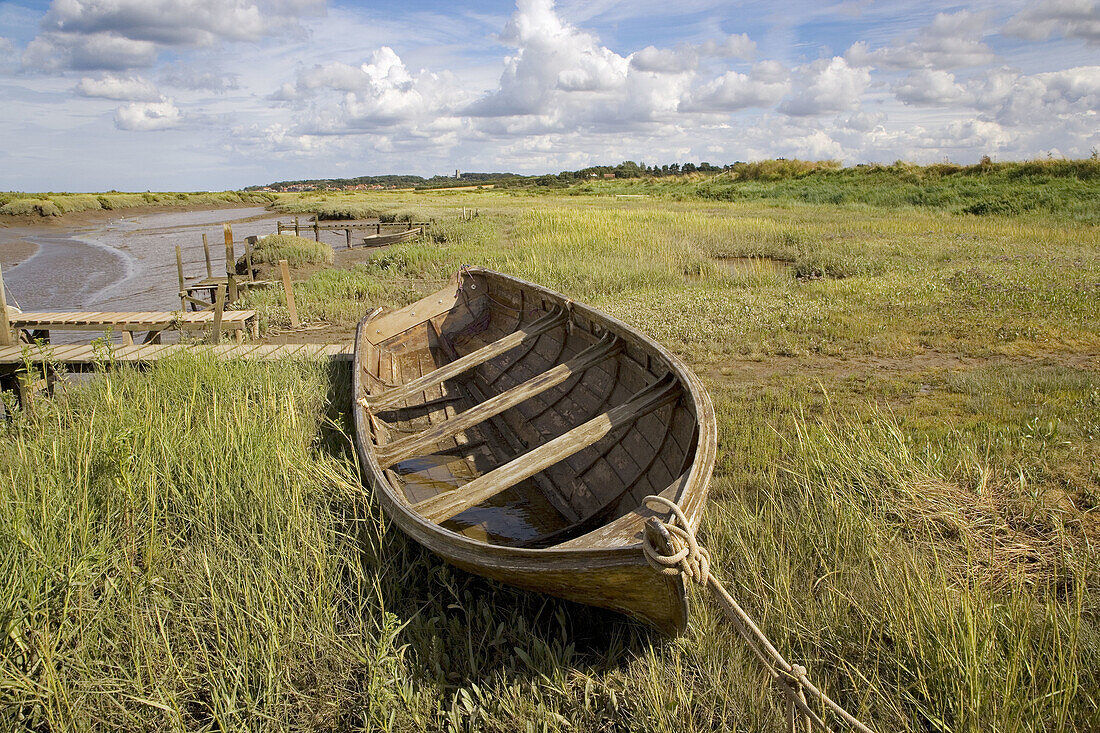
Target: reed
(905, 495)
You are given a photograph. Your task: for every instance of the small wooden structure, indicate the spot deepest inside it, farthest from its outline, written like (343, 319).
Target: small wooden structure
(79, 357)
(38, 324)
(232, 283)
(515, 433)
(347, 227)
(30, 369)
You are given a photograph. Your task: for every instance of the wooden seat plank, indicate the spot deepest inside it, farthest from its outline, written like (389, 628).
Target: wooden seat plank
(413, 445)
(443, 506)
(470, 361)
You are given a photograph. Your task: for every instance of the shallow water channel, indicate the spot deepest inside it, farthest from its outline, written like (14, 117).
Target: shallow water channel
(124, 264)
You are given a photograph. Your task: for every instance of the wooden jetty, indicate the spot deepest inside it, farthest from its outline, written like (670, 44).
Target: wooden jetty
(38, 324)
(347, 228)
(30, 369)
(515, 433)
(79, 357)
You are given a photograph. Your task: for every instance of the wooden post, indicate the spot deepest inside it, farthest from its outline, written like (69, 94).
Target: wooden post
(316, 231)
(179, 275)
(410, 225)
(296, 232)
(285, 270)
(5, 322)
(219, 309)
(347, 236)
(206, 253)
(378, 228)
(249, 245)
(230, 263)
(278, 227)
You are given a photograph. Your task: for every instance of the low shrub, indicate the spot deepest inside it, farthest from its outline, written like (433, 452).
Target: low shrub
(32, 207)
(297, 251)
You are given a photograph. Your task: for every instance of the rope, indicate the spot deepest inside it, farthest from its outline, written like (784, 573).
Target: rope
(671, 549)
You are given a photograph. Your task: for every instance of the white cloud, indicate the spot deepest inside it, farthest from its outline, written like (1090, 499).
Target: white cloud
(826, 85)
(204, 81)
(145, 116)
(552, 57)
(1012, 98)
(106, 51)
(127, 89)
(381, 92)
(1059, 18)
(952, 41)
(126, 34)
(762, 87)
(929, 86)
(665, 60)
(737, 46)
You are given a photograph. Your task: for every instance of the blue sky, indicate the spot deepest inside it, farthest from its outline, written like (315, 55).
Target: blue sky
(215, 94)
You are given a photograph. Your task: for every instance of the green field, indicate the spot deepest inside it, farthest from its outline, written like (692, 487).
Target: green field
(905, 496)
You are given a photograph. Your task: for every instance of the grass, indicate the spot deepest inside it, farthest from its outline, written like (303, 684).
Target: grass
(905, 497)
(1064, 189)
(297, 251)
(58, 204)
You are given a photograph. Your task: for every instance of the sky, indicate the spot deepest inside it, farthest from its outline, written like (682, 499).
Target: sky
(219, 94)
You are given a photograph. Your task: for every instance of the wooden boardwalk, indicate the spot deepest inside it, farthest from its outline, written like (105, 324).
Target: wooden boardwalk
(127, 322)
(86, 355)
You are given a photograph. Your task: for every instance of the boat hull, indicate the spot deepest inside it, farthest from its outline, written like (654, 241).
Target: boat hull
(601, 563)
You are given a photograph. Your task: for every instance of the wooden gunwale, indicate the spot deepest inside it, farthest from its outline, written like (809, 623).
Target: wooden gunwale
(525, 566)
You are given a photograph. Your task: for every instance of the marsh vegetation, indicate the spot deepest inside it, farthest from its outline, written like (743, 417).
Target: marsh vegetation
(906, 492)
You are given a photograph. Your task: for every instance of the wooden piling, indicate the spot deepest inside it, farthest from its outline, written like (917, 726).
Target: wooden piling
(230, 263)
(6, 338)
(316, 231)
(206, 252)
(179, 276)
(249, 245)
(219, 309)
(347, 236)
(285, 271)
(297, 233)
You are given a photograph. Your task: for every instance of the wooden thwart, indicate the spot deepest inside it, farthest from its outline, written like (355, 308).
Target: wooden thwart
(412, 445)
(468, 362)
(444, 506)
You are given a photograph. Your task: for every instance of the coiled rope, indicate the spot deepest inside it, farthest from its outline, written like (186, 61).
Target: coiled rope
(671, 549)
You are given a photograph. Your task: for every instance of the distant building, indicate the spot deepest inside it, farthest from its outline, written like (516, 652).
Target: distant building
(608, 175)
(457, 174)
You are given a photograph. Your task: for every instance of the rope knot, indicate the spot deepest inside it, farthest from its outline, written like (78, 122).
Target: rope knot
(671, 548)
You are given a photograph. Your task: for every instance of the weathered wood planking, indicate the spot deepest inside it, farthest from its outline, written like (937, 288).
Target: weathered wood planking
(514, 433)
(89, 355)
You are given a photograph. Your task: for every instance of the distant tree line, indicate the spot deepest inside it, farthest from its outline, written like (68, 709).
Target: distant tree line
(386, 181)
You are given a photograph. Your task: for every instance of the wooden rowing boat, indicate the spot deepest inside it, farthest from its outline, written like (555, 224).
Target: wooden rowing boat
(515, 432)
(380, 240)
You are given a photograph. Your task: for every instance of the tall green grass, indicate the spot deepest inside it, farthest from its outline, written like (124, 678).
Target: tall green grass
(905, 495)
(297, 251)
(1063, 189)
(57, 204)
(176, 551)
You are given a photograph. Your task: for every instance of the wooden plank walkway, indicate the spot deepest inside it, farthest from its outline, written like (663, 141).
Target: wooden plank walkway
(127, 322)
(87, 355)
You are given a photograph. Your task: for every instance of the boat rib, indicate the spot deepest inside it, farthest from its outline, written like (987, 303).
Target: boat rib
(468, 362)
(442, 507)
(412, 445)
